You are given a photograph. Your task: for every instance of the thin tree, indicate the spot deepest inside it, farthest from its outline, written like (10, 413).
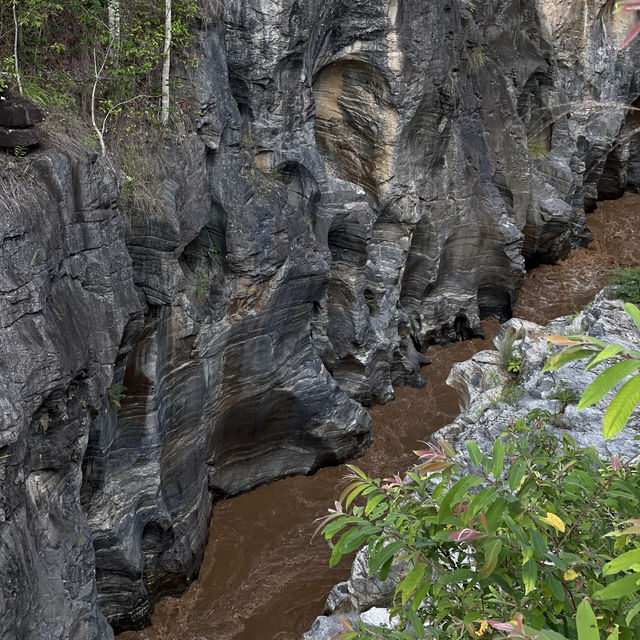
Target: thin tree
(113, 20)
(166, 65)
(15, 45)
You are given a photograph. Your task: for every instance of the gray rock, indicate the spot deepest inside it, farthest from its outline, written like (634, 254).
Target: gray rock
(361, 179)
(329, 627)
(67, 303)
(490, 410)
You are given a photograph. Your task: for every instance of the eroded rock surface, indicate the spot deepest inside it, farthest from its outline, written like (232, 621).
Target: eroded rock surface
(489, 404)
(362, 178)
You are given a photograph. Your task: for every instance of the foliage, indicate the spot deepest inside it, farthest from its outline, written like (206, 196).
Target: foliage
(510, 359)
(478, 57)
(565, 395)
(518, 536)
(628, 281)
(115, 393)
(510, 394)
(213, 254)
(514, 364)
(537, 149)
(622, 365)
(62, 46)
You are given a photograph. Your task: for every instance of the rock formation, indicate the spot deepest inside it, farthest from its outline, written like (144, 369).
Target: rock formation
(363, 177)
(18, 119)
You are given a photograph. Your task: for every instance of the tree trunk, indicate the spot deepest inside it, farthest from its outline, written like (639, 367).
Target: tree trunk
(113, 17)
(166, 66)
(15, 46)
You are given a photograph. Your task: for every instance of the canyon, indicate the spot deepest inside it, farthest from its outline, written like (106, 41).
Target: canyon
(361, 179)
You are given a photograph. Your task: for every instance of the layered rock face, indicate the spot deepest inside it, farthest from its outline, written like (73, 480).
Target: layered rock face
(69, 307)
(364, 177)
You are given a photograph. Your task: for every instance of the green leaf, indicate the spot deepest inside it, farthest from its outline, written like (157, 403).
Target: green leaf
(352, 492)
(608, 352)
(495, 514)
(376, 561)
(605, 381)
(615, 634)
(476, 456)
(622, 406)
(516, 473)
(416, 623)
(622, 587)
(529, 574)
(491, 556)
(517, 530)
(455, 493)
(481, 500)
(350, 541)
(411, 582)
(548, 634)
(622, 562)
(372, 503)
(498, 458)
(577, 352)
(586, 622)
(359, 472)
(384, 570)
(634, 312)
(632, 613)
(555, 586)
(539, 543)
(458, 575)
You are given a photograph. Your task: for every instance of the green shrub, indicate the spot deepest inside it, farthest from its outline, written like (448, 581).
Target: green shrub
(478, 57)
(516, 544)
(628, 281)
(514, 364)
(520, 535)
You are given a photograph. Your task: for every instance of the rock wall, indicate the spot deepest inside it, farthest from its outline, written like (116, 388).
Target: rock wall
(363, 177)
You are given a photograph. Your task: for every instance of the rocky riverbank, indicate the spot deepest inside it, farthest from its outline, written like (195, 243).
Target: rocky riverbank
(491, 399)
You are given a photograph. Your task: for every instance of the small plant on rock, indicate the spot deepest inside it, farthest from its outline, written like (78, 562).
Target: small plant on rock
(628, 281)
(115, 393)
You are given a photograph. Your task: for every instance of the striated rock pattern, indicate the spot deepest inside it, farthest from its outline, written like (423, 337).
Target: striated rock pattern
(363, 177)
(68, 310)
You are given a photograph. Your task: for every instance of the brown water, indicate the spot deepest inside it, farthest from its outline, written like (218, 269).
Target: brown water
(262, 578)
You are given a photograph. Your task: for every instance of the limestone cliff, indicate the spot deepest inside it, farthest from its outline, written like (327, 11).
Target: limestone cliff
(363, 177)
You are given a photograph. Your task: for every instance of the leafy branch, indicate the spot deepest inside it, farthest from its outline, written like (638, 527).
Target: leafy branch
(626, 363)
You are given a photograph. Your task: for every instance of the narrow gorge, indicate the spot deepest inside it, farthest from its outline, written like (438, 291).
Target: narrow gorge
(356, 181)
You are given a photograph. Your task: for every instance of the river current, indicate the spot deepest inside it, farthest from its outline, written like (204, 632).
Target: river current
(262, 577)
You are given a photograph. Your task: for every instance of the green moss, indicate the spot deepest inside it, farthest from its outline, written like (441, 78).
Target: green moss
(628, 281)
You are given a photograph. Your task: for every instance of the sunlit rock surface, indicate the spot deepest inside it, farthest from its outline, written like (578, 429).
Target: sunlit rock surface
(361, 178)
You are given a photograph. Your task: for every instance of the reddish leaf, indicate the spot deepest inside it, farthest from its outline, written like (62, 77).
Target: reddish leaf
(466, 535)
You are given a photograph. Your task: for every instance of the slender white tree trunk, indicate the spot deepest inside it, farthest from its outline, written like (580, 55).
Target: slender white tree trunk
(96, 80)
(113, 18)
(166, 66)
(15, 46)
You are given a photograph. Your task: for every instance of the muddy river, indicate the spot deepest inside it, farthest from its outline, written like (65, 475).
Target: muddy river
(262, 578)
